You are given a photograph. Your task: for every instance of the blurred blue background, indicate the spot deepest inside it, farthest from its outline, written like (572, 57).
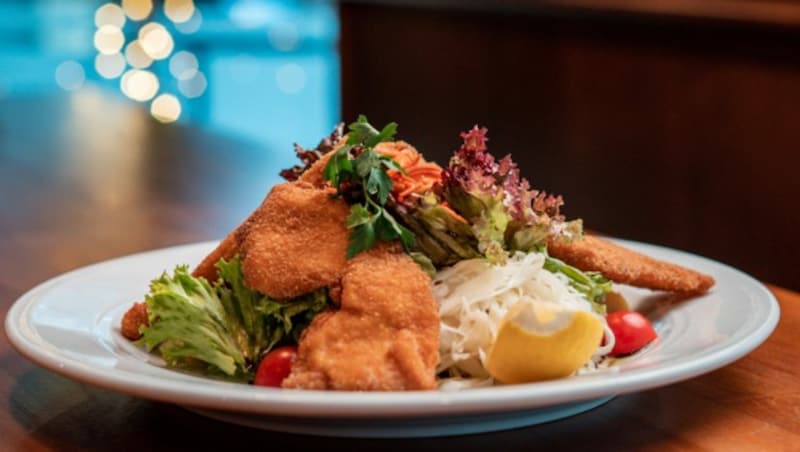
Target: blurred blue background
(263, 70)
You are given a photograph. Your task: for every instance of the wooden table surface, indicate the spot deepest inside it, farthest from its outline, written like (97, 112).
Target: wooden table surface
(84, 179)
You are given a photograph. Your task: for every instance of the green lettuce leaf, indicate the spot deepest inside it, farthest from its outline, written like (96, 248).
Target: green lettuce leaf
(225, 326)
(490, 229)
(189, 325)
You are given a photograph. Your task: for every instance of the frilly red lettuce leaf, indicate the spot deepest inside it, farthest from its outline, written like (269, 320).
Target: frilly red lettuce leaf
(504, 212)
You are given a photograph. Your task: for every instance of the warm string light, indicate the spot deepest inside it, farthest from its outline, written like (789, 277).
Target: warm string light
(108, 39)
(130, 62)
(137, 9)
(140, 85)
(191, 25)
(156, 41)
(136, 56)
(165, 108)
(109, 66)
(179, 11)
(109, 14)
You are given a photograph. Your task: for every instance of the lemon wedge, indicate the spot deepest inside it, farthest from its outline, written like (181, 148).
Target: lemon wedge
(538, 341)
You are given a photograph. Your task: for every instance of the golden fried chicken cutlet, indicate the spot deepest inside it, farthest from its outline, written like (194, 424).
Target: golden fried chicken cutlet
(226, 249)
(295, 242)
(133, 320)
(313, 175)
(384, 337)
(231, 244)
(625, 266)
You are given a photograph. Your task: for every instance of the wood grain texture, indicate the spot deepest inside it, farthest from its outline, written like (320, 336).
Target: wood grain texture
(53, 220)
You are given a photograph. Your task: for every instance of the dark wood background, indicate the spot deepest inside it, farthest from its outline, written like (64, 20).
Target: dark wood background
(681, 131)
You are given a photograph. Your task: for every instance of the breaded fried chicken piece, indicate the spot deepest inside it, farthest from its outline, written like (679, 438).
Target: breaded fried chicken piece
(231, 244)
(226, 249)
(313, 174)
(133, 320)
(385, 336)
(622, 265)
(275, 240)
(295, 242)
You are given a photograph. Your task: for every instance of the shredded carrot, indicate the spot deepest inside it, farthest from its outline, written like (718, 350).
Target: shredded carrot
(420, 175)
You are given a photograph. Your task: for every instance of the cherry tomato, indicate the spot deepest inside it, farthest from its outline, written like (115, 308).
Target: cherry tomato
(631, 330)
(276, 366)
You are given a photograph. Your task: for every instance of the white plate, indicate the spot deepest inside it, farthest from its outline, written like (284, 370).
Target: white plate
(69, 325)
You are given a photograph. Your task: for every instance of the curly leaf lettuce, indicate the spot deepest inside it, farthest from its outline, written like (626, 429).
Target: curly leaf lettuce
(189, 324)
(504, 212)
(225, 325)
(496, 213)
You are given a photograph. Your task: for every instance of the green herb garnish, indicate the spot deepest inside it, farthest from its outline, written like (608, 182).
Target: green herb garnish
(358, 172)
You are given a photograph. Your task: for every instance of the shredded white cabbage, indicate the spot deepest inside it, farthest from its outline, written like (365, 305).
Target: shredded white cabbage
(474, 296)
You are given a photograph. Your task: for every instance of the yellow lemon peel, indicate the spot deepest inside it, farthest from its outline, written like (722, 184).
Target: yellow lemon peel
(540, 342)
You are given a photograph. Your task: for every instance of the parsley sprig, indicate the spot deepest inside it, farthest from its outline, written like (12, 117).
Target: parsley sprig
(359, 173)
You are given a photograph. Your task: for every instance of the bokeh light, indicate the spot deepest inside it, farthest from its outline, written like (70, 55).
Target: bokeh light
(139, 85)
(109, 14)
(191, 25)
(70, 75)
(109, 66)
(251, 13)
(136, 55)
(193, 87)
(165, 108)
(183, 65)
(108, 39)
(129, 61)
(137, 9)
(179, 11)
(156, 41)
(291, 78)
(284, 36)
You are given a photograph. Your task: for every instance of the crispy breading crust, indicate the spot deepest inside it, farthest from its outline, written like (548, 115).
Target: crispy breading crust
(625, 266)
(313, 175)
(295, 242)
(226, 249)
(133, 320)
(231, 244)
(385, 336)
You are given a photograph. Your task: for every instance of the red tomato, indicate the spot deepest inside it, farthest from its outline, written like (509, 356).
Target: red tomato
(276, 366)
(631, 330)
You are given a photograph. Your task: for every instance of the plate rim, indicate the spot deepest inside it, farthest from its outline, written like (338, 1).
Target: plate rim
(347, 404)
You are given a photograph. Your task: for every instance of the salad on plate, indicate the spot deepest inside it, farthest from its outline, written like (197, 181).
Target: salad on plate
(374, 269)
